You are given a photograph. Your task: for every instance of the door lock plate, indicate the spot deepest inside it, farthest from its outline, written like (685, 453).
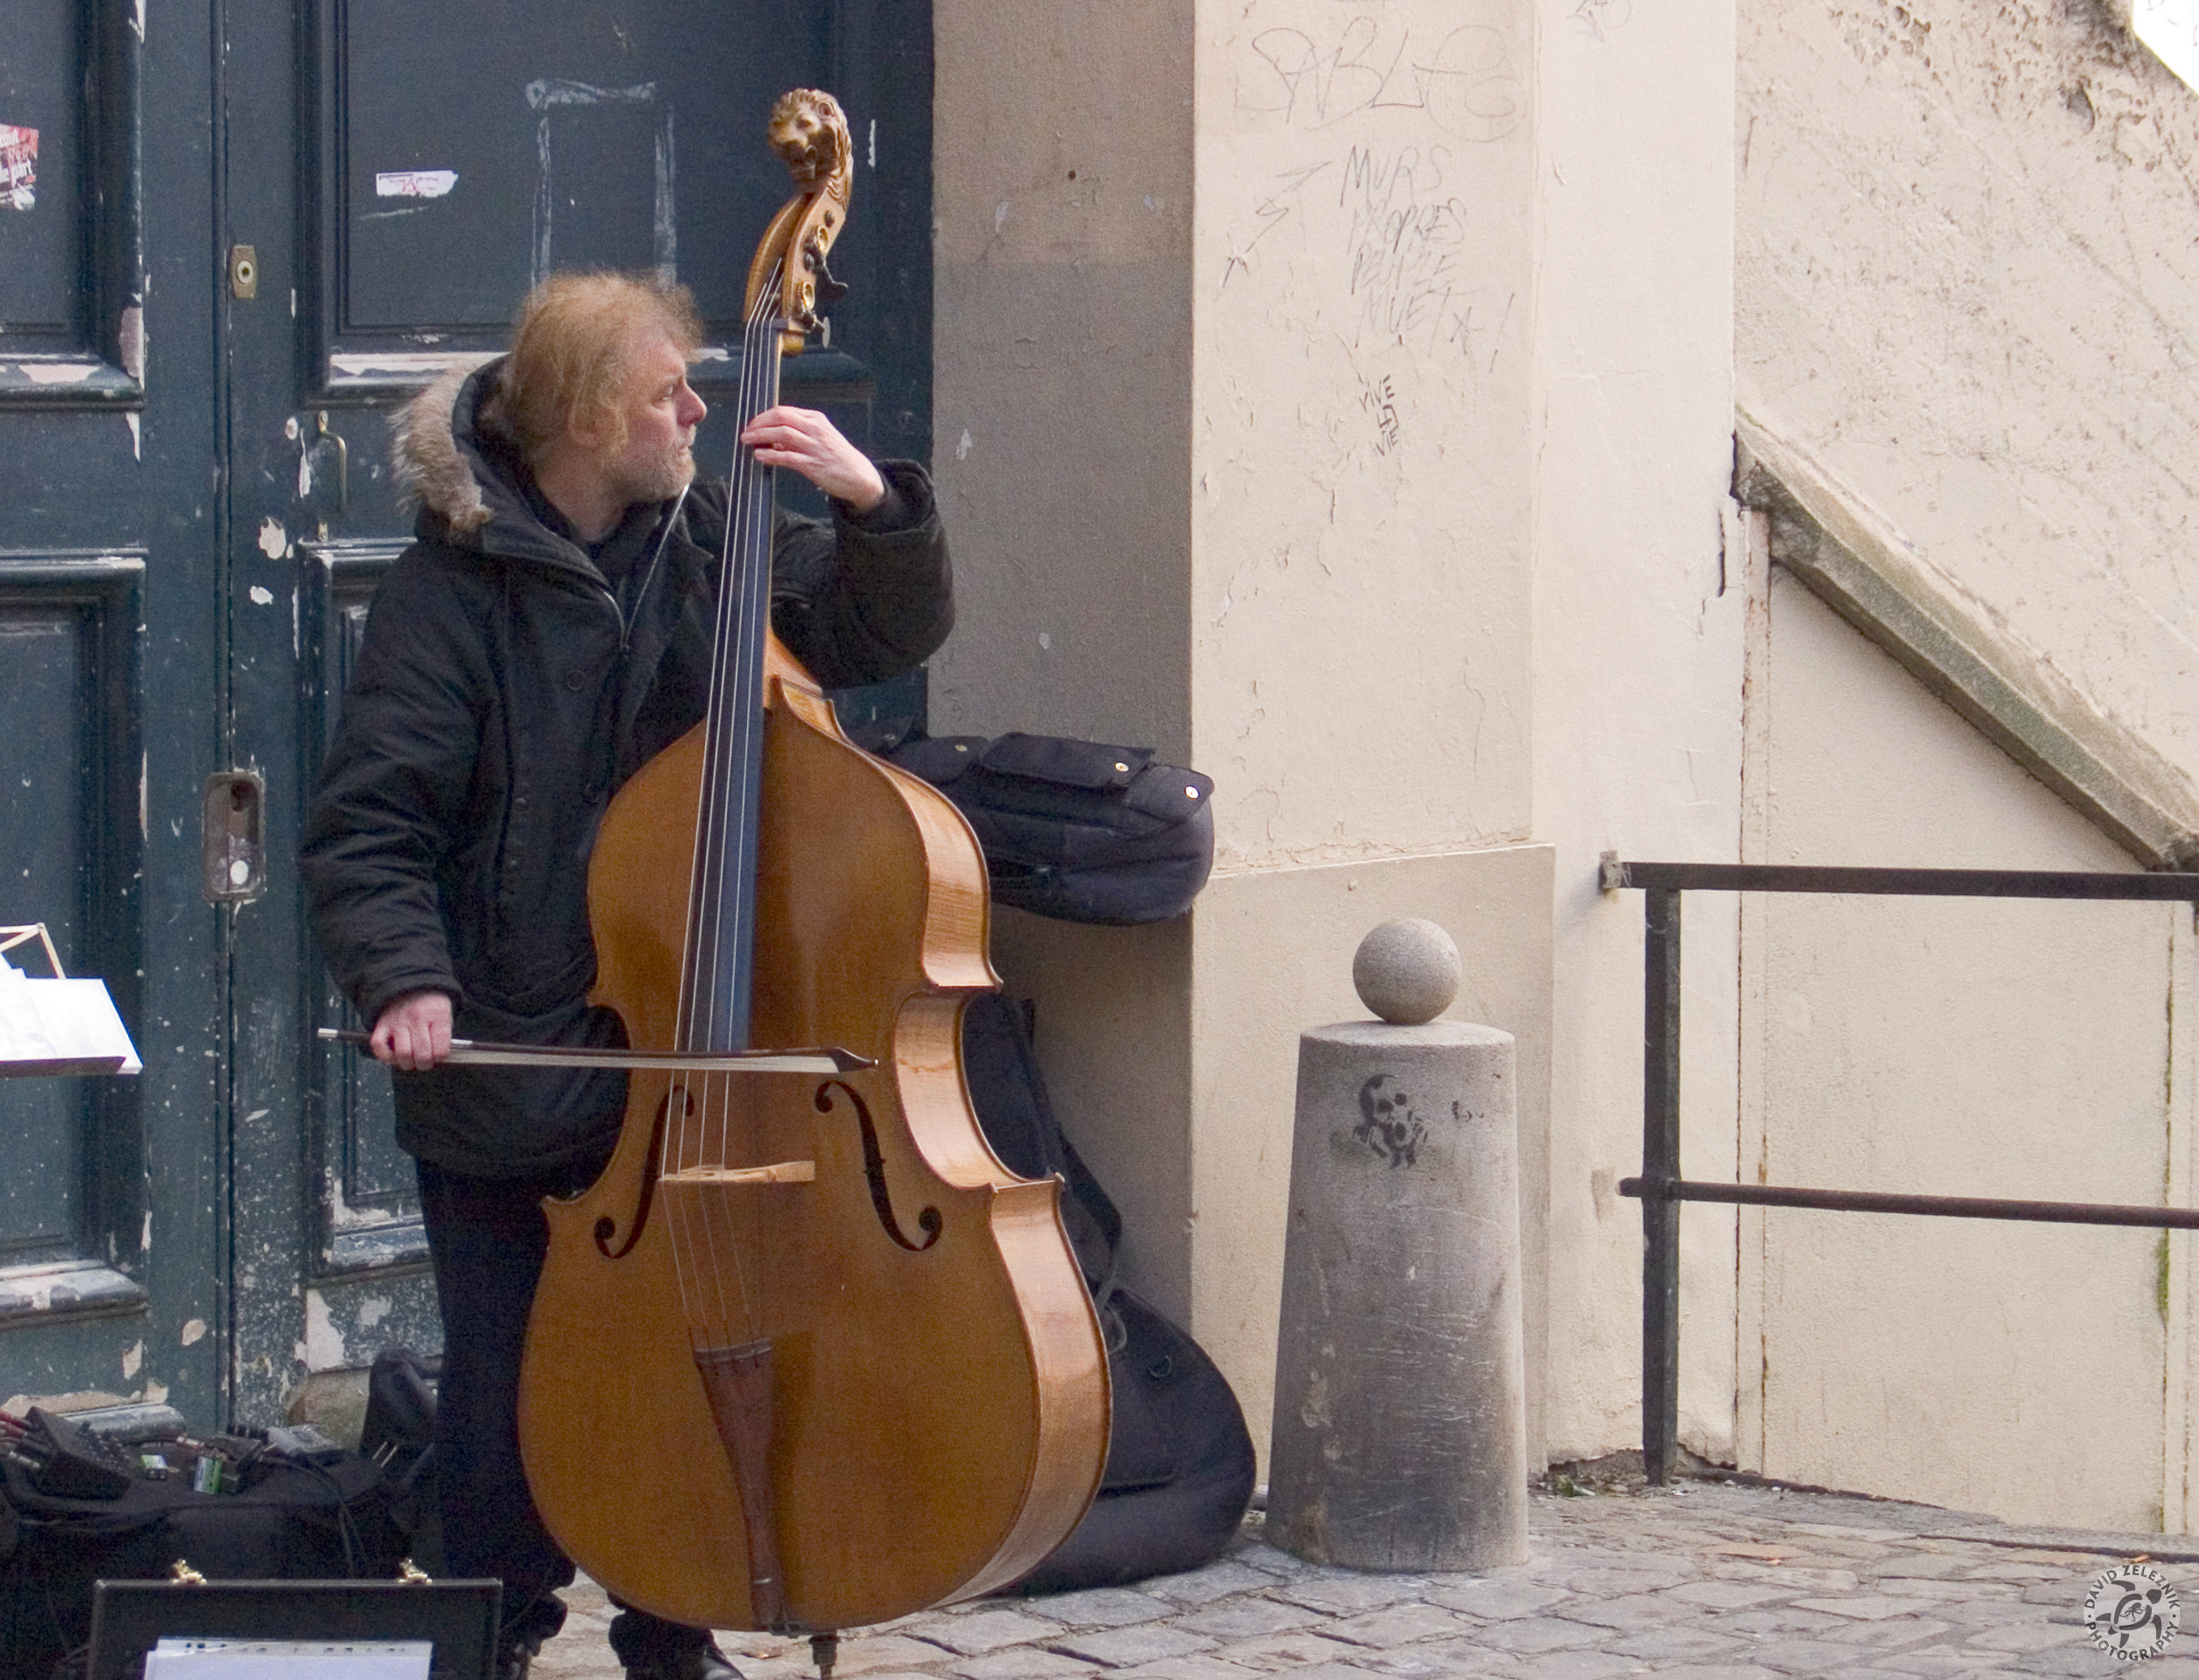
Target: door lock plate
(232, 837)
(243, 271)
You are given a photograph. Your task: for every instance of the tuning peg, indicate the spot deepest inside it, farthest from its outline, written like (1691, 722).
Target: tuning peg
(828, 290)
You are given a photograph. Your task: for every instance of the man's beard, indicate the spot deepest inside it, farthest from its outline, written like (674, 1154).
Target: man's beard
(661, 478)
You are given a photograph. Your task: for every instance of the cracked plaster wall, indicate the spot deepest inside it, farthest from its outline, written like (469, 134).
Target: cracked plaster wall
(1361, 477)
(1969, 285)
(1361, 581)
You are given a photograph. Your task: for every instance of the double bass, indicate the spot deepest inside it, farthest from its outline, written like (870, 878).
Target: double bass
(806, 1356)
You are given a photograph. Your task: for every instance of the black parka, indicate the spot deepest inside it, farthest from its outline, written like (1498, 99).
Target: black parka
(501, 696)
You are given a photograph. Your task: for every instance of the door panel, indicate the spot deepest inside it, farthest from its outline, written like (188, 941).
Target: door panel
(367, 1217)
(41, 283)
(72, 259)
(466, 154)
(69, 1198)
(110, 1215)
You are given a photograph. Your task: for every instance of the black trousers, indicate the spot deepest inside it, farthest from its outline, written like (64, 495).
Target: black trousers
(486, 1238)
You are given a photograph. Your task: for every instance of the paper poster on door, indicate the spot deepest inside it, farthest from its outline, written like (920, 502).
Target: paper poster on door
(18, 167)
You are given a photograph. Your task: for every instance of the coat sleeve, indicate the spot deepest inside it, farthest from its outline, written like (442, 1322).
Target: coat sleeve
(860, 599)
(392, 791)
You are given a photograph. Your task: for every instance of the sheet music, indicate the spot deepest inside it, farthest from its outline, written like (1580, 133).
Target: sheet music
(52, 1026)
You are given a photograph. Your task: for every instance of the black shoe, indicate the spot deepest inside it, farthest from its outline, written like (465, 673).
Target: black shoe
(516, 1660)
(690, 1662)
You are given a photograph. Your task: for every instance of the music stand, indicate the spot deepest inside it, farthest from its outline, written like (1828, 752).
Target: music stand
(58, 1026)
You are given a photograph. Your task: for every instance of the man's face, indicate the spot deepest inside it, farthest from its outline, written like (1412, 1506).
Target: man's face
(661, 411)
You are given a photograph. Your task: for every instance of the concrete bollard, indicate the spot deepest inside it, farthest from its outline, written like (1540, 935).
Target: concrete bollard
(1401, 1417)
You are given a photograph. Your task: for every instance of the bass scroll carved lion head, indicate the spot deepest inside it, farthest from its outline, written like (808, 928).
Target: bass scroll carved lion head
(810, 135)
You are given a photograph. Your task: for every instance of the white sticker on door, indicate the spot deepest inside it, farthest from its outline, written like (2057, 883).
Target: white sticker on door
(414, 183)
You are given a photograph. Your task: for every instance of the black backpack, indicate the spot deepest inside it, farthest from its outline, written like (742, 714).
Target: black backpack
(1179, 1459)
(398, 1437)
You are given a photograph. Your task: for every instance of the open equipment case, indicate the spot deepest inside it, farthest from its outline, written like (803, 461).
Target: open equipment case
(459, 1618)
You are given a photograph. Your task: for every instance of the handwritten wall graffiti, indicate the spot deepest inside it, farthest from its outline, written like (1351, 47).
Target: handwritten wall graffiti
(1403, 237)
(18, 167)
(1465, 82)
(1379, 398)
(1406, 235)
(1270, 212)
(1601, 17)
(1380, 159)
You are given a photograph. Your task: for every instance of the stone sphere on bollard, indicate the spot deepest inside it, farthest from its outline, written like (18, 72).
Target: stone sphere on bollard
(1407, 971)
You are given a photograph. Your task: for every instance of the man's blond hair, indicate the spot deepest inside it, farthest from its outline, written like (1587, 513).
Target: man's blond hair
(575, 343)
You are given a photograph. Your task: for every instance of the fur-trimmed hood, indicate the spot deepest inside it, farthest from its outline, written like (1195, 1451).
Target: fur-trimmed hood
(432, 467)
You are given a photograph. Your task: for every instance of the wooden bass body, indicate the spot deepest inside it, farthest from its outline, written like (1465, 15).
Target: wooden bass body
(931, 1416)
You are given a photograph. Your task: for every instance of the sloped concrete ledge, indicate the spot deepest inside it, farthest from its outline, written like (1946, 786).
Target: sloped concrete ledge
(1851, 558)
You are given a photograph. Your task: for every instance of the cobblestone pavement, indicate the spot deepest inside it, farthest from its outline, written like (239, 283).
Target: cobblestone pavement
(1719, 1582)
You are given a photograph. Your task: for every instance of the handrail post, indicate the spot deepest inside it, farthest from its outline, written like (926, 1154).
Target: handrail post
(1660, 1166)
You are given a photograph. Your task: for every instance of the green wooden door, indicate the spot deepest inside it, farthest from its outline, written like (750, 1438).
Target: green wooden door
(335, 199)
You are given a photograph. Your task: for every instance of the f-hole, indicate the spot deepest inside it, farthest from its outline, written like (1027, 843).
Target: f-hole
(929, 1221)
(607, 1227)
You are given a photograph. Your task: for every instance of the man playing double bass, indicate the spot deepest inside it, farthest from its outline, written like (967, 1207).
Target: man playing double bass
(547, 634)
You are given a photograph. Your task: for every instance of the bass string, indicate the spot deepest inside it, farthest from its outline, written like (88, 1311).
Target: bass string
(713, 1254)
(705, 1249)
(710, 997)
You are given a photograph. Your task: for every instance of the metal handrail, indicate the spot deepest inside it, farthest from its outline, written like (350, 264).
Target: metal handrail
(1661, 1189)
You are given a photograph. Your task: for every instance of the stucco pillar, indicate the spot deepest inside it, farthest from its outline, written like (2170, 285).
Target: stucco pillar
(1233, 421)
